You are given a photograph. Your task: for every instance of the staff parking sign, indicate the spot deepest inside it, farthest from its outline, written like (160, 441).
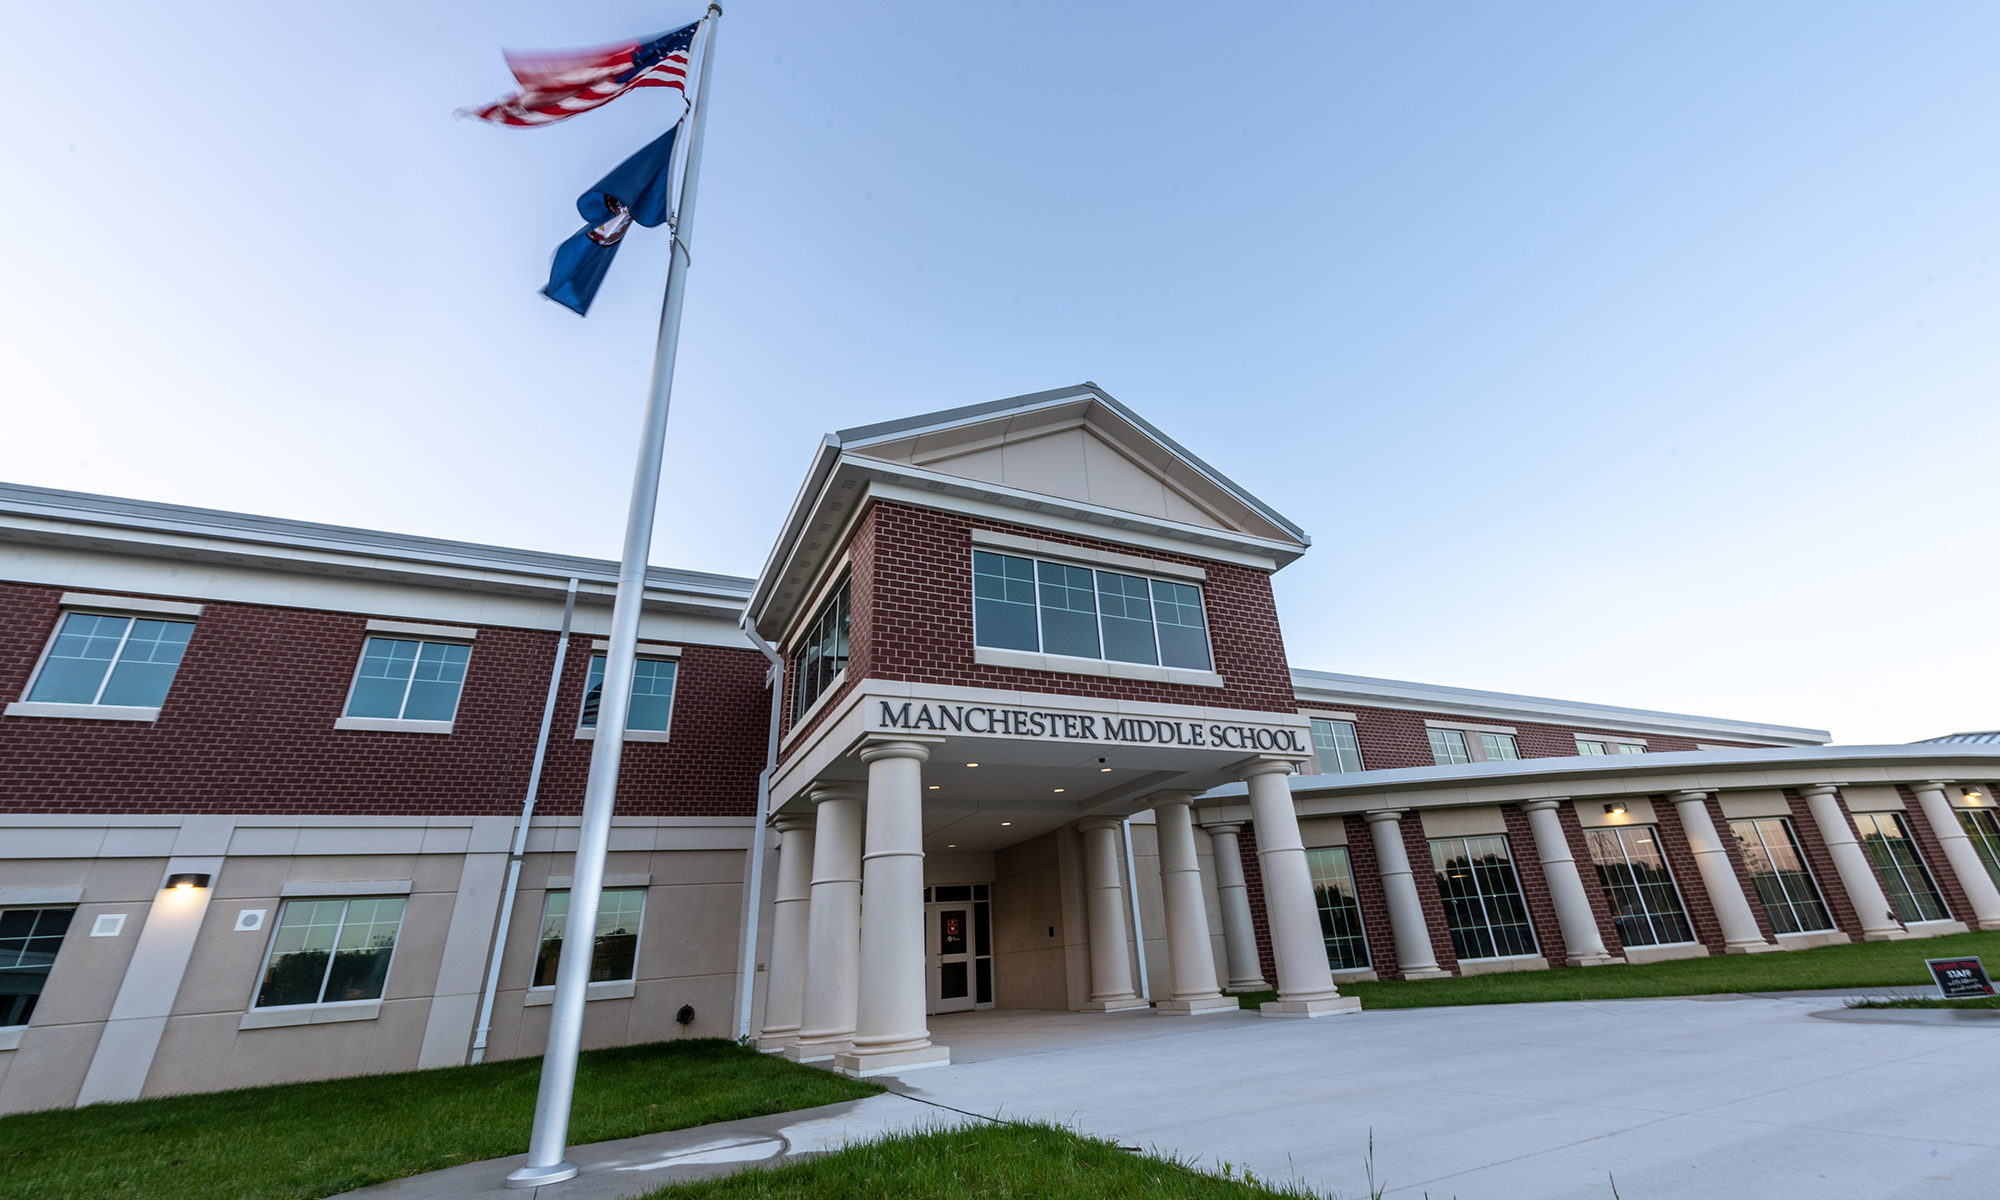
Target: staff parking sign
(1959, 978)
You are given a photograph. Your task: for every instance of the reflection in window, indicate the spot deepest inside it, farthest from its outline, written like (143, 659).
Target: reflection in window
(821, 653)
(1983, 830)
(1645, 905)
(330, 951)
(1448, 747)
(1058, 608)
(29, 939)
(652, 704)
(408, 680)
(102, 659)
(1339, 909)
(1482, 897)
(1778, 871)
(1904, 879)
(615, 953)
(1336, 746)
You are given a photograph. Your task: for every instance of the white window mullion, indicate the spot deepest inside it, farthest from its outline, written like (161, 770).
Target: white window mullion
(405, 705)
(97, 697)
(331, 951)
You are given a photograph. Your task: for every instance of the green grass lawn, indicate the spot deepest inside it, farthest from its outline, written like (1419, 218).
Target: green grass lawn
(1013, 1162)
(1858, 965)
(308, 1140)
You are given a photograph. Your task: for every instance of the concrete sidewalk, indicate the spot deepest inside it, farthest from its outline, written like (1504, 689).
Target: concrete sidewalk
(1702, 1097)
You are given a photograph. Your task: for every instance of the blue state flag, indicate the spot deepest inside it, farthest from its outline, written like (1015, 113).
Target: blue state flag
(634, 193)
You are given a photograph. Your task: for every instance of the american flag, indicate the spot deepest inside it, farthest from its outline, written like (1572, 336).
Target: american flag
(557, 85)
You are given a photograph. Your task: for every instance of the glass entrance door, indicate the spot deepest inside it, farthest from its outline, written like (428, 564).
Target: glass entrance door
(948, 953)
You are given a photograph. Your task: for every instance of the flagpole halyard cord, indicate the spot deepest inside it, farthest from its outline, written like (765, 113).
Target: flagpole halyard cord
(548, 1140)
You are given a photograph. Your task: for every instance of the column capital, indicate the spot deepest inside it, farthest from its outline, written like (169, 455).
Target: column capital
(1544, 804)
(820, 793)
(1687, 797)
(1266, 765)
(1090, 823)
(877, 746)
(1162, 799)
(1214, 827)
(1379, 815)
(1819, 789)
(1939, 784)
(788, 821)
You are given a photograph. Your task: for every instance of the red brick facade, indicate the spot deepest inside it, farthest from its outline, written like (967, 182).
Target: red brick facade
(1391, 737)
(248, 727)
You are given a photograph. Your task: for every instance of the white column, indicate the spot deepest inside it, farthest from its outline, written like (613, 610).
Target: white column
(1415, 958)
(1740, 934)
(1573, 912)
(890, 1029)
(785, 989)
(1958, 851)
(1305, 983)
(1239, 932)
(833, 925)
(1104, 908)
(1850, 862)
(1190, 960)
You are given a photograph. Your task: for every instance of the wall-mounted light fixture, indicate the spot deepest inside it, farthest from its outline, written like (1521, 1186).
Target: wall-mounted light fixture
(1974, 795)
(187, 881)
(1615, 809)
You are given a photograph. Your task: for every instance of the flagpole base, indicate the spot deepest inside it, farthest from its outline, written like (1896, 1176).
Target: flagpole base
(528, 1177)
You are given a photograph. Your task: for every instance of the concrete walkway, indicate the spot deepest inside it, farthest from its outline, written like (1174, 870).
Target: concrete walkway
(1699, 1097)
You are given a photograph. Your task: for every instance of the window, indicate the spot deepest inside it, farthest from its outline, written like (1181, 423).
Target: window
(1482, 898)
(652, 706)
(404, 679)
(1982, 829)
(616, 949)
(821, 653)
(1339, 911)
(97, 658)
(1645, 905)
(29, 939)
(1499, 747)
(331, 951)
(1778, 871)
(1336, 745)
(1055, 608)
(1901, 870)
(1630, 748)
(1448, 747)
(1592, 747)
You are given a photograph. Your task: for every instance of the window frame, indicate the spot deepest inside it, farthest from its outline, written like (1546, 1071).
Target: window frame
(399, 723)
(601, 986)
(1986, 841)
(670, 654)
(1354, 731)
(1486, 915)
(347, 906)
(1799, 852)
(840, 591)
(1037, 558)
(1360, 937)
(1617, 834)
(163, 611)
(1916, 854)
(39, 910)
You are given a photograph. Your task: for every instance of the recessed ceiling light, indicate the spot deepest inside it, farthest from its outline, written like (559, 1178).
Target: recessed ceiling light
(971, 764)
(1103, 770)
(1059, 789)
(1006, 822)
(934, 787)
(951, 845)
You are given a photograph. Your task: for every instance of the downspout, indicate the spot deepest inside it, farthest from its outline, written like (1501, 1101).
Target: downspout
(1132, 893)
(748, 969)
(486, 993)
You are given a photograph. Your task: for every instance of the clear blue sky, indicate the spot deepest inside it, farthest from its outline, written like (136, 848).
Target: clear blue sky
(1638, 356)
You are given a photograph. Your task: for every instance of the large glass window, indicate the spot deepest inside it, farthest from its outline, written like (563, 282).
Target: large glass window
(1779, 872)
(101, 659)
(1900, 868)
(652, 705)
(409, 680)
(1448, 747)
(329, 951)
(1982, 829)
(615, 952)
(821, 653)
(1339, 910)
(1056, 608)
(1482, 897)
(1499, 747)
(29, 939)
(1645, 905)
(1336, 745)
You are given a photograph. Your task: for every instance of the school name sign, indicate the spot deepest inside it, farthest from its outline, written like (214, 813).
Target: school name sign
(986, 720)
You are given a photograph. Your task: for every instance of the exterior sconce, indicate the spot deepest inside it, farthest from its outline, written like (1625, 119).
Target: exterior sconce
(1974, 795)
(187, 881)
(1615, 809)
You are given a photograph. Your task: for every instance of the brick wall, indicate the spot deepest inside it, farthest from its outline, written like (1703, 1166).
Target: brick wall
(1253, 878)
(1392, 737)
(248, 728)
(1383, 952)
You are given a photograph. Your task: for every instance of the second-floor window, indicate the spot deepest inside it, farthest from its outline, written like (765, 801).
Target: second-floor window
(821, 652)
(101, 658)
(1596, 747)
(652, 706)
(1336, 745)
(1082, 612)
(404, 679)
(1452, 746)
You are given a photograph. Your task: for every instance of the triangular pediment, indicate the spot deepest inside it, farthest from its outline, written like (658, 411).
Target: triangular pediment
(1076, 447)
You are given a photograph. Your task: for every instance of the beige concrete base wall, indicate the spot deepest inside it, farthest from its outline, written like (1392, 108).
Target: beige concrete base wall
(1029, 943)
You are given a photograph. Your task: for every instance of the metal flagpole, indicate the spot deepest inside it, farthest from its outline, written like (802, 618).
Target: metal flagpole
(548, 1141)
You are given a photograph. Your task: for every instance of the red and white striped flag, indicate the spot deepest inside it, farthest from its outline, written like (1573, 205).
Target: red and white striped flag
(556, 85)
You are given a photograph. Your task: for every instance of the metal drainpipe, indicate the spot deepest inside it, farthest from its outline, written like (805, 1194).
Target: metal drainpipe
(748, 968)
(486, 993)
(1132, 893)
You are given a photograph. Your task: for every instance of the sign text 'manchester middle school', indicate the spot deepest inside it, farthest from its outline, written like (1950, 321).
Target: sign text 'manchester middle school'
(1083, 727)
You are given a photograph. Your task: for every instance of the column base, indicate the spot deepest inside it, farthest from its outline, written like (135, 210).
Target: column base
(1884, 935)
(1425, 973)
(1750, 948)
(1247, 985)
(535, 1177)
(1332, 1006)
(1599, 960)
(803, 1051)
(861, 1064)
(775, 1043)
(1199, 1005)
(1117, 1005)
